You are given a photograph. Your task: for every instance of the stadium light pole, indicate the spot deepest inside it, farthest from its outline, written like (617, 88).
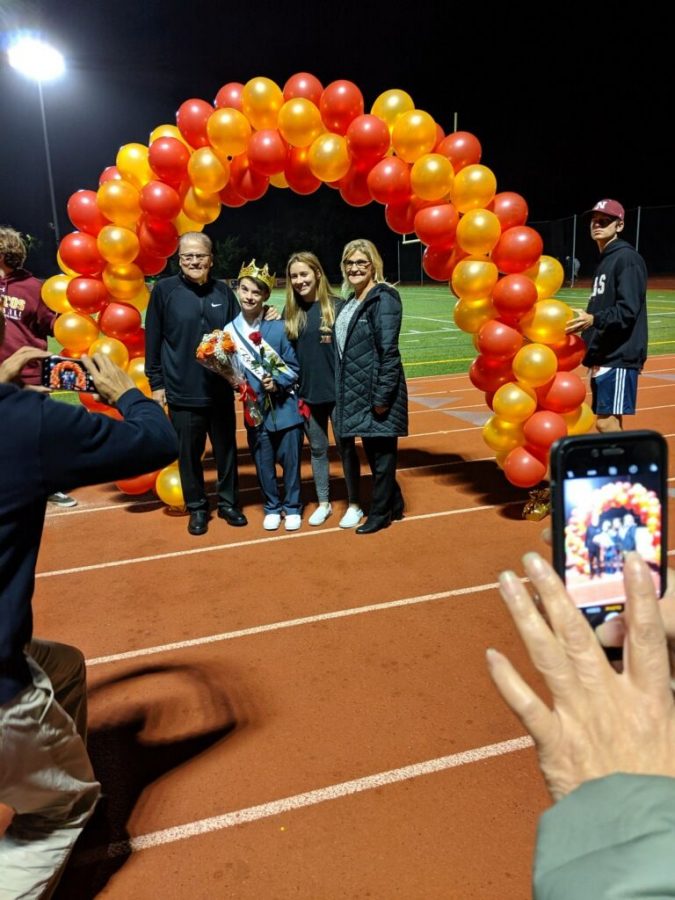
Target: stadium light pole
(40, 62)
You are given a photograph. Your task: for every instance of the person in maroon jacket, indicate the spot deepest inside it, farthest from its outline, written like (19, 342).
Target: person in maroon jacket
(28, 321)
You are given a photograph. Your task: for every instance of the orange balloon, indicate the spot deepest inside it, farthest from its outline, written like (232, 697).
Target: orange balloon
(172, 131)
(117, 244)
(75, 331)
(113, 349)
(501, 435)
(545, 322)
(183, 224)
(228, 131)
(202, 208)
(119, 201)
(514, 402)
(123, 281)
(431, 176)
(474, 278)
(391, 105)
(141, 299)
(328, 157)
(206, 171)
(132, 164)
(535, 364)
(548, 276)
(474, 187)
(478, 231)
(300, 122)
(413, 135)
(471, 315)
(261, 100)
(168, 487)
(581, 420)
(54, 293)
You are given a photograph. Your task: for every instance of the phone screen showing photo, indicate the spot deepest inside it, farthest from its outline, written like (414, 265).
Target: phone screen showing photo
(610, 508)
(61, 373)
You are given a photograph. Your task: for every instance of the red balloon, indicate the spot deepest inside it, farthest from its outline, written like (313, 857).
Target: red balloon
(80, 253)
(160, 200)
(461, 148)
(523, 469)
(389, 181)
(141, 484)
(513, 296)
(341, 102)
(303, 85)
(436, 225)
(511, 209)
(354, 188)
(168, 158)
(496, 338)
(158, 237)
(543, 428)
(298, 174)
(84, 213)
(439, 264)
(400, 217)
(135, 343)
(489, 397)
(368, 138)
(518, 249)
(571, 353)
(149, 264)
(119, 320)
(229, 96)
(191, 119)
(110, 173)
(563, 393)
(489, 375)
(87, 400)
(248, 184)
(87, 295)
(229, 197)
(267, 152)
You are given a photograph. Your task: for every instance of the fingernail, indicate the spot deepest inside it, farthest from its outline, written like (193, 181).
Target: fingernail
(534, 564)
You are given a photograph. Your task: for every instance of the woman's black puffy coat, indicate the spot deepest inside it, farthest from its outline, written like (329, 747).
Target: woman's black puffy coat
(369, 372)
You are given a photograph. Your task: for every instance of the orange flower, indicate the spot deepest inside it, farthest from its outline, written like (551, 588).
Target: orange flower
(227, 343)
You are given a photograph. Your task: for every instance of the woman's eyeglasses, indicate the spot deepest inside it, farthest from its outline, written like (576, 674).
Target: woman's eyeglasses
(356, 263)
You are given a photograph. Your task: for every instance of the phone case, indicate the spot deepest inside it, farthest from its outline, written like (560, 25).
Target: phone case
(61, 373)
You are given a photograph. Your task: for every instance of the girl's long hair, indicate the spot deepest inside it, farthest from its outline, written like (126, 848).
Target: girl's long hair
(295, 311)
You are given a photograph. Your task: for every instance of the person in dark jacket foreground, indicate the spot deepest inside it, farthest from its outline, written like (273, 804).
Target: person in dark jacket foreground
(614, 325)
(607, 746)
(47, 787)
(371, 394)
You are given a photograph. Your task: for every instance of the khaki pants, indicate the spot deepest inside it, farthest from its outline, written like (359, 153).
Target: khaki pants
(45, 773)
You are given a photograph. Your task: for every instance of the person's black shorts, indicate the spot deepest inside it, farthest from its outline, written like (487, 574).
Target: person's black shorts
(614, 392)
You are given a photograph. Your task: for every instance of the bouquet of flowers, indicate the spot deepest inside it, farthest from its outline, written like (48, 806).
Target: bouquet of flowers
(217, 353)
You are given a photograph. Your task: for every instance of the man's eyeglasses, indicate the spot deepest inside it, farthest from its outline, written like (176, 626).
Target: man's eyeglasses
(602, 221)
(356, 263)
(197, 256)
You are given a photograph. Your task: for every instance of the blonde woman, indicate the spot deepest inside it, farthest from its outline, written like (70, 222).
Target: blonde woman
(371, 392)
(309, 317)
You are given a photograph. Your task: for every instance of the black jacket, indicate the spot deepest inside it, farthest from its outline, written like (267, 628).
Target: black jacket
(47, 447)
(618, 337)
(180, 313)
(369, 372)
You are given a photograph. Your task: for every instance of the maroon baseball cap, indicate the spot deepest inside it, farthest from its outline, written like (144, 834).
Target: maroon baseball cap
(611, 208)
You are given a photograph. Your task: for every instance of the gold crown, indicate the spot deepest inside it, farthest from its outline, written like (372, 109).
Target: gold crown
(252, 271)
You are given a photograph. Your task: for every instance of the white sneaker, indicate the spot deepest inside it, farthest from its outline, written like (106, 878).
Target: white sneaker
(271, 521)
(62, 500)
(292, 522)
(351, 518)
(320, 515)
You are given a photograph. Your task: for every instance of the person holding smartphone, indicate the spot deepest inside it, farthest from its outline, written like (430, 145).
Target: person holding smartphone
(614, 325)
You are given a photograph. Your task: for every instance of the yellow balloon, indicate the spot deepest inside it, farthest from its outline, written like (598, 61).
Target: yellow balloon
(261, 100)
(328, 157)
(391, 105)
(183, 224)
(413, 135)
(168, 487)
(535, 364)
(113, 349)
(136, 371)
(471, 315)
(132, 164)
(478, 231)
(501, 435)
(548, 276)
(172, 131)
(117, 244)
(123, 281)
(75, 331)
(119, 201)
(278, 180)
(514, 402)
(54, 293)
(474, 187)
(300, 122)
(206, 172)
(431, 176)
(202, 208)
(545, 322)
(474, 278)
(581, 420)
(141, 299)
(228, 131)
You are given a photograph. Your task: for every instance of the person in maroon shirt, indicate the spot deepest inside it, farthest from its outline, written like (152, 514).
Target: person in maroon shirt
(28, 321)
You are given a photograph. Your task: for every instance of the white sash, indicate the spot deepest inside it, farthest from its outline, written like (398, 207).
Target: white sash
(251, 356)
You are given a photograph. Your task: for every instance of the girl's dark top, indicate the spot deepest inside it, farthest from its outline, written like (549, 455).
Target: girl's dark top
(315, 349)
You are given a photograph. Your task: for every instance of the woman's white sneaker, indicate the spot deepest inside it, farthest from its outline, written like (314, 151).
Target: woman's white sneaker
(271, 521)
(320, 515)
(292, 522)
(351, 518)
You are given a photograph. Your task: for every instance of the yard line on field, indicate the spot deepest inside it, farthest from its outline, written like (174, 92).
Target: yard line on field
(301, 801)
(175, 554)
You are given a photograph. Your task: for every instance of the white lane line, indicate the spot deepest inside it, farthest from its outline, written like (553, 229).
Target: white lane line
(290, 623)
(250, 543)
(300, 801)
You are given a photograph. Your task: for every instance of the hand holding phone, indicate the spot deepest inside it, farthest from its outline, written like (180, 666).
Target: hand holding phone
(61, 373)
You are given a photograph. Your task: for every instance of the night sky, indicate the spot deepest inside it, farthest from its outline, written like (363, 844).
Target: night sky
(565, 113)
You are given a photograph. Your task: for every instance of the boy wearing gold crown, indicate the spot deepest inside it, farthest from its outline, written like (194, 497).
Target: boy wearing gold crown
(272, 370)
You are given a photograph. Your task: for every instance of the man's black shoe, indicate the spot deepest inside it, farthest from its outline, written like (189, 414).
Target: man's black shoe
(232, 516)
(199, 522)
(373, 524)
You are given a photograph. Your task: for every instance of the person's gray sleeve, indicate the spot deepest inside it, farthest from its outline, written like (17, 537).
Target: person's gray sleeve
(611, 839)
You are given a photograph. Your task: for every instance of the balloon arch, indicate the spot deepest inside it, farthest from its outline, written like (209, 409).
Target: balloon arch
(259, 135)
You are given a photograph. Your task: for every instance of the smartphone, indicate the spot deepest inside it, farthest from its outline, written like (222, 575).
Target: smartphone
(608, 496)
(61, 373)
